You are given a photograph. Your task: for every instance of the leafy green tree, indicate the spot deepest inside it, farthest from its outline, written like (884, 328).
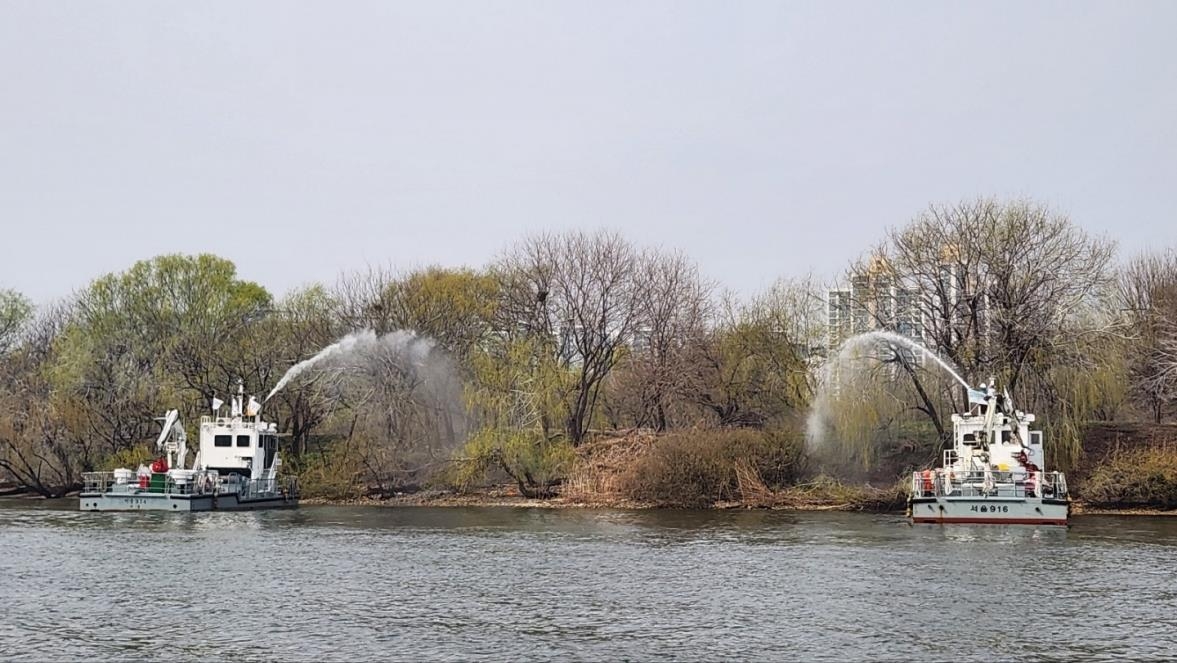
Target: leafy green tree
(175, 314)
(15, 313)
(155, 336)
(455, 307)
(40, 447)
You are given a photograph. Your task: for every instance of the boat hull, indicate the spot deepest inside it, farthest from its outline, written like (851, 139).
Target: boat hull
(989, 511)
(178, 503)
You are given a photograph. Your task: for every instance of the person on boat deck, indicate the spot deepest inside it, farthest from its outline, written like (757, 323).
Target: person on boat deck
(929, 482)
(1033, 473)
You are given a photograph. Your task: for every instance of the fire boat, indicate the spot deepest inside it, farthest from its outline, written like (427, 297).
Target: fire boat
(236, 467)
(994, 473)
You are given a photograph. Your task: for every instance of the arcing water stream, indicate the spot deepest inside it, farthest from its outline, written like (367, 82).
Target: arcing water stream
(854, 343)
(816, 424)
(342, 346)
(404, 343)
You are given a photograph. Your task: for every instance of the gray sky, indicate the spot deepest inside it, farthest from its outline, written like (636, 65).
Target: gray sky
(302, 139)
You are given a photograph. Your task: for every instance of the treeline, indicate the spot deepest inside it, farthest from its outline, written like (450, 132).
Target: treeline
(566, 339)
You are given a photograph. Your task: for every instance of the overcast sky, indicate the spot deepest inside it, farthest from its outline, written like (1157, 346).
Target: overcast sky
(304, 139)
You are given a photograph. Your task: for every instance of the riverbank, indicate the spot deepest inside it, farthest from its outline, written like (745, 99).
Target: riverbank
(507, 496)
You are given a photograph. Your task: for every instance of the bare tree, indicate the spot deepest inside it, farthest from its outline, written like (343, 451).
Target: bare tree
(364, 300)
(578, 295)
(1148, 298)
(755, 364)
(991, 286)
(675, 310)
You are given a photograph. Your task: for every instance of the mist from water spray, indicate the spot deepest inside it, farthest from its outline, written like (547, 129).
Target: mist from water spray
(816, 424)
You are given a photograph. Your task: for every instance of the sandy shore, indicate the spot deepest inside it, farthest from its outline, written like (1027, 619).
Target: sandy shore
(493, 497)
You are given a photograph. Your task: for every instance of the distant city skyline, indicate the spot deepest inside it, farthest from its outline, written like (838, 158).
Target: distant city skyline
(763, 139)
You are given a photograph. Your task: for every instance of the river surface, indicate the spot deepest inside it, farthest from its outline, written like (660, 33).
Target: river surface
(346, 584)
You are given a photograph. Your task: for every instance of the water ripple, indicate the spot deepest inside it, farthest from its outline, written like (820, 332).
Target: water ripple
(329, 583)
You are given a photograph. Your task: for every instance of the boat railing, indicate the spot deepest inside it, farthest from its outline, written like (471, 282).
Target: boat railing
(265, 487)
(229, 422)
(202, 482)
(1018, 484)
(255, 487)
(97, 482)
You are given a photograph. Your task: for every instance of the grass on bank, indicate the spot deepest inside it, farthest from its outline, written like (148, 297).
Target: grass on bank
(1140, 478)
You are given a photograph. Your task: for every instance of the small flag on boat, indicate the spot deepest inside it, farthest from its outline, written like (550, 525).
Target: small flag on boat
(217, 403)
(253, 408)
(977, 396)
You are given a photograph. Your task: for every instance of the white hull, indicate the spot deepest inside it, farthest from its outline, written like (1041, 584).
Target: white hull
(172, 502)
(989, 510)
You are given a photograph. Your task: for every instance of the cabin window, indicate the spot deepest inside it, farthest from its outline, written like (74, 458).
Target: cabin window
(970, 437)
(243, 440)
(223, 441)
(1006, 436)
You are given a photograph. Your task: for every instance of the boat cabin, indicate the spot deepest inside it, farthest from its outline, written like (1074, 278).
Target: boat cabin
(237, 445)
(995, 441)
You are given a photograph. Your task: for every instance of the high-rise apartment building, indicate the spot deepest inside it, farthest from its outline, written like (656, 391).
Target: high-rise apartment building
(874, 300)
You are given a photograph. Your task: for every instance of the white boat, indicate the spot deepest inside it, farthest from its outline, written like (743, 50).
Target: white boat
(995, 472)
(236, 467)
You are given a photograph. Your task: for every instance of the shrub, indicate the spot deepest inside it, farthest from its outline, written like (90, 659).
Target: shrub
(695, 469)
(1139, 478)
(331, 474)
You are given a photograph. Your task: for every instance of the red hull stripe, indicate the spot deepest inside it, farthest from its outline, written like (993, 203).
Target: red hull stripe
(993, 521)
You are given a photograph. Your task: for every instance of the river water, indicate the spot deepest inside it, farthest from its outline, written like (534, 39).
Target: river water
(345, 584)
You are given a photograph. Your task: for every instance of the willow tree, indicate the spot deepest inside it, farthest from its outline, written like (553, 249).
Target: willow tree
(517, 390)
(401, 419)
(171, 316)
